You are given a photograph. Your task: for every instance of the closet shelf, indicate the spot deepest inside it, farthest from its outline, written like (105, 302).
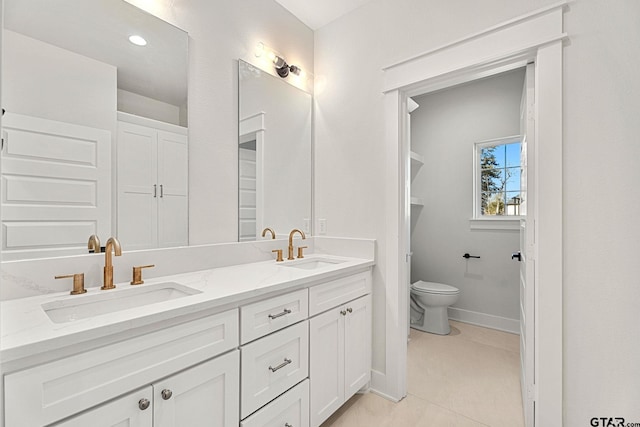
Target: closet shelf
(417, 201)
(416, 160)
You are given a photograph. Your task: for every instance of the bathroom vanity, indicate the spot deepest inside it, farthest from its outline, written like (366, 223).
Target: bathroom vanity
(256, 344)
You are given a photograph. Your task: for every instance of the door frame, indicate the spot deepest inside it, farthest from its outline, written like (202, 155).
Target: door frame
(535, 37)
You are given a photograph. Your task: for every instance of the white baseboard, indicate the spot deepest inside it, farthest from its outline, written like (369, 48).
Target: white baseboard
(378, 382)
(486, 320)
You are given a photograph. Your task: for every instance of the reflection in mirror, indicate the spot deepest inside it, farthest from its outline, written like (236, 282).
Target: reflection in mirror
(70, 78)
(274, 155)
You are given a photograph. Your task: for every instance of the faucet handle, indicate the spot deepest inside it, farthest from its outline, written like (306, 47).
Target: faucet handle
(279, 253)
(300, 248)
(78, 283)
(137, 274)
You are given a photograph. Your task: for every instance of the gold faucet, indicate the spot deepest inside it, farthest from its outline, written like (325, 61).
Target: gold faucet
(273, 233)
(114, 244)
(294, 231)
(94, 244)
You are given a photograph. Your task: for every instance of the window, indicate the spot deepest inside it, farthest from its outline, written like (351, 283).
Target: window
(497, 179)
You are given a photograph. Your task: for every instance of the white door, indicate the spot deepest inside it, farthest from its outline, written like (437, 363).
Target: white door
(133, 410)
(206, 395)
(326, 364)
(137, 186)
(56, 181)
(527, 251)
(173, 177)
(357, 345)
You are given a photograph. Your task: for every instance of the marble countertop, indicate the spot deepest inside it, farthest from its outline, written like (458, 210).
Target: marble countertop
(26, 330)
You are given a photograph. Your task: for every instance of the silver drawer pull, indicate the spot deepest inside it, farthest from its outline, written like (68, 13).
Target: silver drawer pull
(284, 313)
(350, 310)
(282, 365)
(343, 312)
(166, 394)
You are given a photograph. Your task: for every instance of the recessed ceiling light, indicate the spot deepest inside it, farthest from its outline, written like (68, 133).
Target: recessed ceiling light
(137, 40)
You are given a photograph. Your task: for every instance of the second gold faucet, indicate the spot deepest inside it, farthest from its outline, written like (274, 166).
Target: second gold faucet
(294, 231)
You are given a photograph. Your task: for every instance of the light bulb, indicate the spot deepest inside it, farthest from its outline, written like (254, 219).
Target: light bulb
(259, 50)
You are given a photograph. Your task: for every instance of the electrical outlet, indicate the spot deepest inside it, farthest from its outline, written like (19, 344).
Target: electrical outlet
(322, 226)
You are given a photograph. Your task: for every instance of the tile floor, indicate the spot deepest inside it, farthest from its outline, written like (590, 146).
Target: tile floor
(468, 378)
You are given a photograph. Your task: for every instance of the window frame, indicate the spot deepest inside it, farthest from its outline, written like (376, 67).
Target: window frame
(485, 222)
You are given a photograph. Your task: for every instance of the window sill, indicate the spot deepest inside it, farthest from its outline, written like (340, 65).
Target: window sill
(511, 224)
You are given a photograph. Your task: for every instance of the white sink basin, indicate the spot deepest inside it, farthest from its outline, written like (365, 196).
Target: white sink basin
(84, 306)
(312, 264)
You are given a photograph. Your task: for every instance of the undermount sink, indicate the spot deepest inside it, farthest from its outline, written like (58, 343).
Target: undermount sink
(312, 264)
(85, 306)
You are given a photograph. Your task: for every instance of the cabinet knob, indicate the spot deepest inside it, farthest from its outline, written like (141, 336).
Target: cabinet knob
(166, 394)
(343, 312)
(143, 403)
(287, 425)
(350, 310)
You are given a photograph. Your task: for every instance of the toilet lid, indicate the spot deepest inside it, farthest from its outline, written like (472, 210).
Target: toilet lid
(434, 288)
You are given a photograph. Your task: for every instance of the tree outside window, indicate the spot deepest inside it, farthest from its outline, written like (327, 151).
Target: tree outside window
(499, 164)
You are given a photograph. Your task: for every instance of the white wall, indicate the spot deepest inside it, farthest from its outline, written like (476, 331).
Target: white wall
(45, 81)
(601, 201)
(444, 130)
(220, 32)
(144, 106)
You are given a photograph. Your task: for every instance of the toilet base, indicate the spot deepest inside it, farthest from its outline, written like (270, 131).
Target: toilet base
(434, 320)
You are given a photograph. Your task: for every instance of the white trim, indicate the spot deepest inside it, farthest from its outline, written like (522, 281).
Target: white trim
(485, 320)
(504, 24)
(511, 224)
(156, 124)
(534, 37)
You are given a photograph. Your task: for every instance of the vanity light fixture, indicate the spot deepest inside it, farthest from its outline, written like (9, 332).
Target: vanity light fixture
(137, 40)
(282, 68)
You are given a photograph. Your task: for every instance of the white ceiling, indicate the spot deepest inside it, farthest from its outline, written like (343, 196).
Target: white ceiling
(318, 13)
(99, 29)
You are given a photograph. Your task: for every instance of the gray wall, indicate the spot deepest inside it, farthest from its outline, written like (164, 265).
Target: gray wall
(444, 130)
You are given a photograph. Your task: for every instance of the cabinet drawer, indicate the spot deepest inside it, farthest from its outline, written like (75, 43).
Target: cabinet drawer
(292, 408)
(272, 365)
(264, 317)
(52, 391)
(332, 294)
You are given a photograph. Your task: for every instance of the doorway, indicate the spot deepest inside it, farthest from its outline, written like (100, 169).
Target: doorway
(537, 38)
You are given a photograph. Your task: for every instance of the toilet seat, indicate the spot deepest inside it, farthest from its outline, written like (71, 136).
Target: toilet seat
(434, 288)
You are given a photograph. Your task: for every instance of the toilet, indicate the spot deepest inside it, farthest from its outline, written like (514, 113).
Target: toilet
(429, 303)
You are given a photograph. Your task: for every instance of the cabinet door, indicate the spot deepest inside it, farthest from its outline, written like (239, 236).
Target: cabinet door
(205, 395)
(124, 411)
(172, 190)
(137, 186)
(357, 345)
(326, 375)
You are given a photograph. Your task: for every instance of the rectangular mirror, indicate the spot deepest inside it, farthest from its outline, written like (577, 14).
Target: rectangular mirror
(274, 152)
(74, 86)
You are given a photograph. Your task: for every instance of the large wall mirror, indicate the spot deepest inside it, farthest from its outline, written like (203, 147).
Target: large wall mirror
(70, 77)
(274, 152)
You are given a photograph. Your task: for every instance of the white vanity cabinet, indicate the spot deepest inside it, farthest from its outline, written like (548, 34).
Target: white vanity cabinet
(205, 395)
(152, 176)
(53, 391)
(275, 350)
(340, 345)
